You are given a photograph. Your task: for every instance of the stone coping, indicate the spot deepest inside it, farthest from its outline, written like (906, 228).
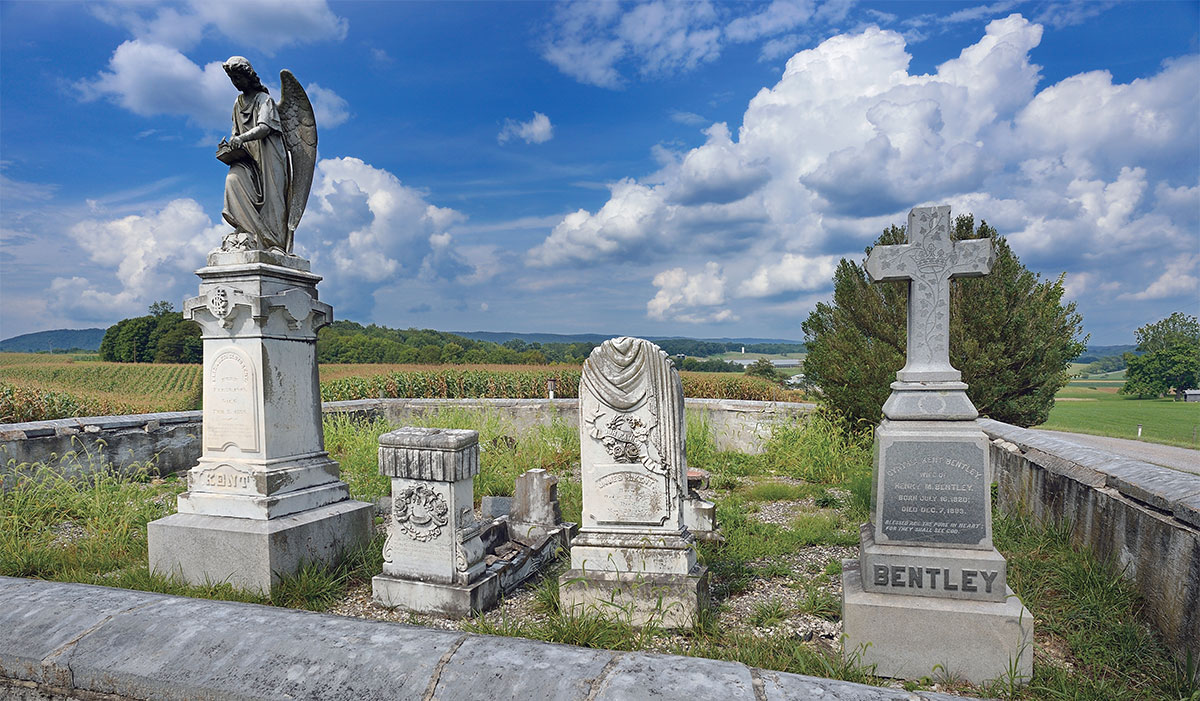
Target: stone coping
(94, 424)
(1169, 491)
(78, 640)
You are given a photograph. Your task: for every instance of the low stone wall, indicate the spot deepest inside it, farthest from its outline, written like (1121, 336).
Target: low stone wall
(98, 440)
(1143, 518)
(174, 437)
(75, 641)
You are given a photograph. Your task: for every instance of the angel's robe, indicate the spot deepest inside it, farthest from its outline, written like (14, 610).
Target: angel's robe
(256, 191)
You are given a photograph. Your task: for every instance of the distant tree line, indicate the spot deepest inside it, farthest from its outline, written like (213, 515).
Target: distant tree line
(162, 336)
(1108, 363)
(712, 365)
(703, 349)
(349, 342)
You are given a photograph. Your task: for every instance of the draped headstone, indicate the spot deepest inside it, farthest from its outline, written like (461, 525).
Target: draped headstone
(929, 588)
(633, 550)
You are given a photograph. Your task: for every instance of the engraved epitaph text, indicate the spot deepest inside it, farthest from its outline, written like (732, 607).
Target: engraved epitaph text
(934, 492)
(230, 408)
(631, 497)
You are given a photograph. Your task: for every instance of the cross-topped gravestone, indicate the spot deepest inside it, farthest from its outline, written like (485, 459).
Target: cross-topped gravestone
(929, 589)
(928, 261)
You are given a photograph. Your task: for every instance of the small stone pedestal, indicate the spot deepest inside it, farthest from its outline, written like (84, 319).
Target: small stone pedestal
(433, 560)
(265, 496)
(929, 589)
(634, 557)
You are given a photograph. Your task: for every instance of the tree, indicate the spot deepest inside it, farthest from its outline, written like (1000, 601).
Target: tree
(1010, 336)
(765, 369)
(1175, 329)
(181, 344)
(162, 336)
(161, 307)
(1171, 358)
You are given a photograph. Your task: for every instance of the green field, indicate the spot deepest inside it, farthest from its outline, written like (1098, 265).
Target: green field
(1080, 370)
(734, 355)
(1096, 408)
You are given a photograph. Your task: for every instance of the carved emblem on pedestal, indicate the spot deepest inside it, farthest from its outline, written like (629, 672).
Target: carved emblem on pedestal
(420, 512)
(218, 303)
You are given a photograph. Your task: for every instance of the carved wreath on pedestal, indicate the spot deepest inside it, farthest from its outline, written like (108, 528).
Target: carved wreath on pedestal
(420, 512)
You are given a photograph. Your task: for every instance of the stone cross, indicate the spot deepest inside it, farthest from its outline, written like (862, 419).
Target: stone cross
(928, 261)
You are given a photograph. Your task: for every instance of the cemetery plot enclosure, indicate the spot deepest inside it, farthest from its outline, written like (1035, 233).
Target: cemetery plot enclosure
(789, 514)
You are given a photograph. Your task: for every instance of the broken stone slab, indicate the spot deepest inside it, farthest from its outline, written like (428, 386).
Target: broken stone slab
(493, 507)
(535, 510)
(700, 517)
(438, 558)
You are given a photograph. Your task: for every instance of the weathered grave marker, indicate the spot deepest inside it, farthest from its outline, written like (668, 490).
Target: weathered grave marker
(265, 495)
(438, 557)
(634, 551)
(433, 557)
(929, 587)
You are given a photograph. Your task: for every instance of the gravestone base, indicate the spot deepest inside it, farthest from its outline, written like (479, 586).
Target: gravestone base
(634, 552)
(906, 637)
(449, 600)
(665, 600)
(253, 554)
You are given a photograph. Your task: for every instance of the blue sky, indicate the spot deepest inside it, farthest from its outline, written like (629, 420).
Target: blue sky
(628, 168)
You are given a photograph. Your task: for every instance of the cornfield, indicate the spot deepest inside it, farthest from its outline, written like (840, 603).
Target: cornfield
(38, 387)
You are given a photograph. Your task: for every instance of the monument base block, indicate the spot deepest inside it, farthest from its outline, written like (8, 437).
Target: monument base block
(449, 600)
(666, 600)
(906, 637)
(253, 554)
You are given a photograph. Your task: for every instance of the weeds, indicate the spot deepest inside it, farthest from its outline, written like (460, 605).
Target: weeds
(768, 613)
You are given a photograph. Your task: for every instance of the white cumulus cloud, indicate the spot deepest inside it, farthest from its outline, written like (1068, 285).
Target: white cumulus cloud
(690, 297)
(537, 130)
(601, 43)
(141, 258)
(151, 79)
(181, 25)
(1088, 176)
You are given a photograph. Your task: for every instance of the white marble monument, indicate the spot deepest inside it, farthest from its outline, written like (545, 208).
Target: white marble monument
(265, 497)
(634, 554)
(929, 587)
(433, 560)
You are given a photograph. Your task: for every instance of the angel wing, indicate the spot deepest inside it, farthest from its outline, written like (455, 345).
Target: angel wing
(300, 136)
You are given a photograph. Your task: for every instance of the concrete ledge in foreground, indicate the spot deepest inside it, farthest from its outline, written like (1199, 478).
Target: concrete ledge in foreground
(75, 641)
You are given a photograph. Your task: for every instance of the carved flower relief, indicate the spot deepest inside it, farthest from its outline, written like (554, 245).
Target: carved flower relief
(420, 512)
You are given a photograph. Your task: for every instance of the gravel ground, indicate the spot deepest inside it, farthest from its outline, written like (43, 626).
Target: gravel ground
(1182, 459)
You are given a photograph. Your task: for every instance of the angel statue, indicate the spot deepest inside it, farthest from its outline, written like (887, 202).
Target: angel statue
(271, 155)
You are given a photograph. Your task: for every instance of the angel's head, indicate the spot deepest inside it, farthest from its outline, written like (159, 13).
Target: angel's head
(242, 74)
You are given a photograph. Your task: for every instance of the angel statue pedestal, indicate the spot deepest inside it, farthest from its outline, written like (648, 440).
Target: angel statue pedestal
(265, 496)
